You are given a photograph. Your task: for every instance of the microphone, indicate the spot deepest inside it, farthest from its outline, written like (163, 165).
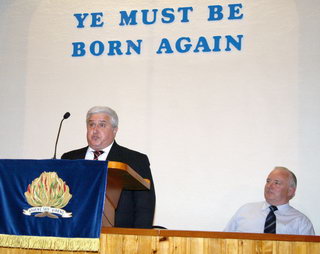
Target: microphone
(65, 116)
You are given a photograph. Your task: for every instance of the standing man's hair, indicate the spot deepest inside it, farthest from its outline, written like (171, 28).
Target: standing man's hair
(114, 120)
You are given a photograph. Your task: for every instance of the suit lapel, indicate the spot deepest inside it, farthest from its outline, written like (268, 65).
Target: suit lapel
(82, 152)
(115, 153)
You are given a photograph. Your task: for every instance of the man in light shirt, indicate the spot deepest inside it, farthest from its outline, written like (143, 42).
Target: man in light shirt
(280, 187)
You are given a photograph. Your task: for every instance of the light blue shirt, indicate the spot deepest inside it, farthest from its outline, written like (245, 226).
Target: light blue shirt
(251, 217)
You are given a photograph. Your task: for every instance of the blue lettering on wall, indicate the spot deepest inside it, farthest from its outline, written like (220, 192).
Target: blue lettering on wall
(217, 12)
(235, 11)
(183, 44)
(78, 49)
(236, 43)
(183, 47)
(130, 19)
(114, 48)
(167, 15)
(98, 48)
(96, 19)
(145, 15)
(132, 46)
(150, 17)
(216, 43)
(80, 18)
(185, 13)
(201, 44)
(165, 45)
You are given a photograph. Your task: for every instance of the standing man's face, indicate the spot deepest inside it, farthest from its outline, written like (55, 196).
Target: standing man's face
(277, 190)
(100, 132)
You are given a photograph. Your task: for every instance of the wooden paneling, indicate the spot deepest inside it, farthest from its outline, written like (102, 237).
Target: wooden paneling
(131, 241)
(143, 241)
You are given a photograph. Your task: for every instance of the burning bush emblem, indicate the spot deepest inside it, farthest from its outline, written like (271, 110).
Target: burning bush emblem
(47, 194)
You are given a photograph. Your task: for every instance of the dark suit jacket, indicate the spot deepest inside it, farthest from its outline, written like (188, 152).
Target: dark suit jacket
(135, 208)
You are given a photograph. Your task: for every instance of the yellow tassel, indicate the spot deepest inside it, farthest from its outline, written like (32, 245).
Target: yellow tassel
(50, 243)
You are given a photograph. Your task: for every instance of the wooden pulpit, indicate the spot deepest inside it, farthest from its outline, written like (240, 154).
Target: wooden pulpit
(120, 177)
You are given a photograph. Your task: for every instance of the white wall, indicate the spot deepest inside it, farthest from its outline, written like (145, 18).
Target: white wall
(212, 123)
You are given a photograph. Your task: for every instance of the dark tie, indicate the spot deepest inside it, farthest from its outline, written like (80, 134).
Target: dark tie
(96, 154)
(270, 225)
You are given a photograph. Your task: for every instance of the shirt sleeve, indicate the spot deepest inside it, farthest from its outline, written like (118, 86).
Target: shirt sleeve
(232, 224)
(306, 227)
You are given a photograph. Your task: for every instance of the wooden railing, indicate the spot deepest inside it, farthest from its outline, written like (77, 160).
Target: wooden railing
(154, 241)
(129, 241)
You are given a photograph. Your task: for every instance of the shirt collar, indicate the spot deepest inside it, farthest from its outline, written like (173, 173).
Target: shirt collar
(106, 150)
(281, 208)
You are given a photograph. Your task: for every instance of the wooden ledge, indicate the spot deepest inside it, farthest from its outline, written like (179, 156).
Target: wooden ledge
(126, 173)
(209, 234)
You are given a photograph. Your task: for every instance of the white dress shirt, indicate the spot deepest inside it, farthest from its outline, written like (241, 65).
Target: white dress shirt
(251, 217)
(102, 157)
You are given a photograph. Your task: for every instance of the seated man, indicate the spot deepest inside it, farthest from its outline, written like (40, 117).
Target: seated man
(274, 215)
(135, 208)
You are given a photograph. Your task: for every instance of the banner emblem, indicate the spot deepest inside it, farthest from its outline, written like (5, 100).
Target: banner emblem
(47, 194)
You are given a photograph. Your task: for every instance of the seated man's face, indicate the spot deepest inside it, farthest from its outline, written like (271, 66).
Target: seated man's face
(100, 132)
(277, 190)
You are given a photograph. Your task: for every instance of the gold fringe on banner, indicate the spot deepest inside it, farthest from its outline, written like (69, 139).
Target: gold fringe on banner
(50, 243)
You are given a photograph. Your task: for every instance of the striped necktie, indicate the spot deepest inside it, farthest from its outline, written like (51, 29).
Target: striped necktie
(96, 154)
(270, 225)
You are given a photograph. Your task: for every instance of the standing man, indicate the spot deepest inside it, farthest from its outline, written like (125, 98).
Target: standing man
(135, 208)
(274, 215)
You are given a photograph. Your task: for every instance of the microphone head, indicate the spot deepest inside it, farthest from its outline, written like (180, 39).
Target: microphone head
(66, 115)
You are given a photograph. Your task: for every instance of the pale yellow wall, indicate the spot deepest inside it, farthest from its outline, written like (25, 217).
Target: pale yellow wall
(213, 124)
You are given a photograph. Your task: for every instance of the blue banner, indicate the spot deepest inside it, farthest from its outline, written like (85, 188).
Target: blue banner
(60, 201)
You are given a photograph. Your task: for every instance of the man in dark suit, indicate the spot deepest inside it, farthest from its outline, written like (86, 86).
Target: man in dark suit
(135, 208)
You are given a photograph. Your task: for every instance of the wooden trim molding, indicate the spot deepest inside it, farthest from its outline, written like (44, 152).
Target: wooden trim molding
(209, 234)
